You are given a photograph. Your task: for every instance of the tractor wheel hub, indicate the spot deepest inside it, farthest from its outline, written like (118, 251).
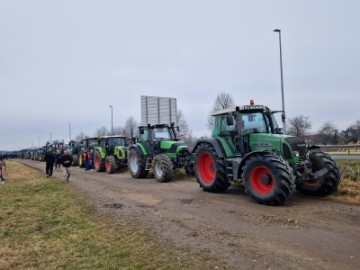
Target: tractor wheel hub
(265, 179)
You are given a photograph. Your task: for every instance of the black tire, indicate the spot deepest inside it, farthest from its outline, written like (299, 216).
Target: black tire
(75, 160)
(136, 164)
(324, 185)
(99, 163)
(268, 179)
(163, 168)
(210, 170)
(110, 164)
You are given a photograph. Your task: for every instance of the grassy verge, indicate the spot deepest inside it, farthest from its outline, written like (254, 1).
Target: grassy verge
(349, 189)
(45, 224)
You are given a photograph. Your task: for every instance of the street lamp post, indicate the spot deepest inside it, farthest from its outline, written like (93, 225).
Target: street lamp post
(112, 122)
(282, 82)
(69, 132)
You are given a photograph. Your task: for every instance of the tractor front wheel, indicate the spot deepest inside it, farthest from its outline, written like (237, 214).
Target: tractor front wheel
(268, 179)
(210, 170)
(136, 164)
(110, 164)
(163, 168)
(326, 184)
(98, 162)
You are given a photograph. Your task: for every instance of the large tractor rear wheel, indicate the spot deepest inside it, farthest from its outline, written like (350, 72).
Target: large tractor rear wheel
(210, 170)
(163, 168)
(136, 164)
(268, 179)
(98, 162)
(110, 164)
(326, 184)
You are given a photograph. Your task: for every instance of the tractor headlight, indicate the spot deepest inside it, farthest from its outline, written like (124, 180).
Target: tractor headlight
(296, 153)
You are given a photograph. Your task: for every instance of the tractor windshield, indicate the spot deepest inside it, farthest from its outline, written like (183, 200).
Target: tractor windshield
(162, 133)
(254, 122)
(116, 142)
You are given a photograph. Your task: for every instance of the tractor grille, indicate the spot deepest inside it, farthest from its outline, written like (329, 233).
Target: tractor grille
(297, 145)
(183, 153)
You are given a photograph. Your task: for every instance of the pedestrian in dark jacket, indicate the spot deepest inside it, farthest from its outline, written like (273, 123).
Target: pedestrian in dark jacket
(66, 162)
(49, 160)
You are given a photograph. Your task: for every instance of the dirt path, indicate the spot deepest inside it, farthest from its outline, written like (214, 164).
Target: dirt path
(307, 233)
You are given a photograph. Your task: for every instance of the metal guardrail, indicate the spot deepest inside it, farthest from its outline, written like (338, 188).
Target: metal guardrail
(347, 148)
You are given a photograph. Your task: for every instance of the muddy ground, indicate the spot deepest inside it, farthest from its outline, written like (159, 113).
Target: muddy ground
(306, 233)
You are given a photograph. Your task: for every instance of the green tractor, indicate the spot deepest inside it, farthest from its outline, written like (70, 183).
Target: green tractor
(86, 145)
(73, 148)
(157, 149)
(247, 146)
(110, 154)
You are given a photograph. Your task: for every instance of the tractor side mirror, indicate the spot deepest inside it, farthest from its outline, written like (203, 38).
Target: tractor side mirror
(133, 140)
(279, 131)
(177, 129)
(229, 120)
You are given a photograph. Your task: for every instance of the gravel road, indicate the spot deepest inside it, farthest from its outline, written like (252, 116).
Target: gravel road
(306, 233)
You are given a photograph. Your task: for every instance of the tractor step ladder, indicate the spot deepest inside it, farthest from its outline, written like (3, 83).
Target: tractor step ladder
(229, 169)
(148, 163)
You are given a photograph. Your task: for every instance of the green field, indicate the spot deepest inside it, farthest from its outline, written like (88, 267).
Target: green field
(45, 224)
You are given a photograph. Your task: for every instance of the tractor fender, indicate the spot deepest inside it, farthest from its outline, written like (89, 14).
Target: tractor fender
(247, 156)
(101, 151)
(214, 143)
(139, 149)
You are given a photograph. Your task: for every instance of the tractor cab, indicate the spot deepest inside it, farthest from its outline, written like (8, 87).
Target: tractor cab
(157, 137)
(110, 142)
(249, 128)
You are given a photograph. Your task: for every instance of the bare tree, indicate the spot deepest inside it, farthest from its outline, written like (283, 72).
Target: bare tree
(119, 130)
(353, 132)
(299, 126)
(222, 101)
(182, 124)
(131, 127)
(328, 134)
(103, 131)
(80, 136)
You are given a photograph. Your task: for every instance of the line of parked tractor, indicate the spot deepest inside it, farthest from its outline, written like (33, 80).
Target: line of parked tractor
(246, 146)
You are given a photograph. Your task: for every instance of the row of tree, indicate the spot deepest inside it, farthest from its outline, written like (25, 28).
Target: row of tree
(299, 126)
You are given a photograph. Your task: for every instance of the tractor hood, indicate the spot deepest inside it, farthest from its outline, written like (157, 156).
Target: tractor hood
(289, 147)
(172, 146)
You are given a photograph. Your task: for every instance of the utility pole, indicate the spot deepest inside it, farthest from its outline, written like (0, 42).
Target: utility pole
(69, 132)
(283, 116)
(112, 120)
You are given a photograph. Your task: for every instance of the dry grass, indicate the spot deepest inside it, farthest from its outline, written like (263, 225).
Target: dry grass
(349, 189)
(45, 224)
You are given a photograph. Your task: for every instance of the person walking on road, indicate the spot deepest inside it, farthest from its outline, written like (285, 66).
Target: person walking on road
(3, 170)
(50, 160)
(66, 162)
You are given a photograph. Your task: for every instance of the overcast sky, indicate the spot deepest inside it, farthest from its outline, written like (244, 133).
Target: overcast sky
(65, 61)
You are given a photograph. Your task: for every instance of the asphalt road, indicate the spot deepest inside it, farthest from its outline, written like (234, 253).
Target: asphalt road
(230, 228)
